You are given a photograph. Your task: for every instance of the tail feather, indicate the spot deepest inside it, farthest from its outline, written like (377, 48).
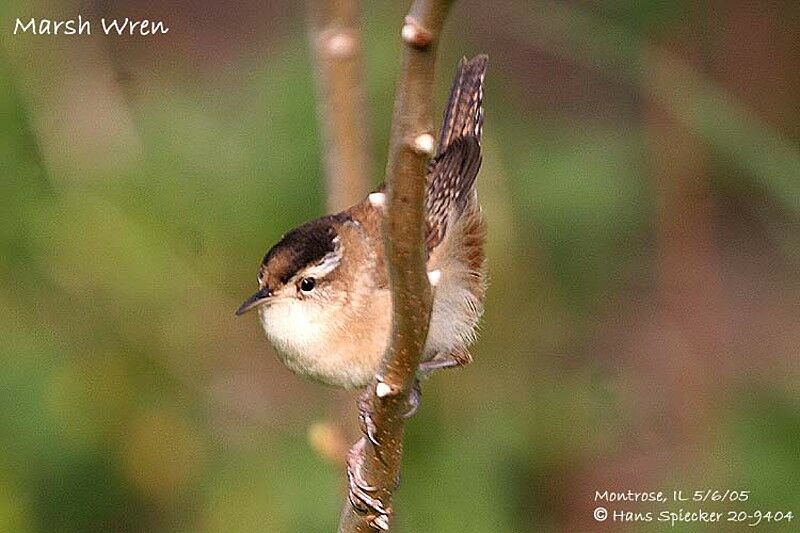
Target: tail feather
(452, 177)
(452, 173)
(463, 115)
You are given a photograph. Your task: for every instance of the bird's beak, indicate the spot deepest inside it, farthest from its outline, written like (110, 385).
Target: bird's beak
(254, 301)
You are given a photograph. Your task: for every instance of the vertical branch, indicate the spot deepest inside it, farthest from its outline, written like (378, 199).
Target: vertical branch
(336, 46)
(410, 148)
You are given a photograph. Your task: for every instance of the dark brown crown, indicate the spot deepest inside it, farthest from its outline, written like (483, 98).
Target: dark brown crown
(303, 246)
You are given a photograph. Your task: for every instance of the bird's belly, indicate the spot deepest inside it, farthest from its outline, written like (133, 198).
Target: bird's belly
(458, 294)
(454, 318)
(341, 350)
(346, 350)
(334, 366)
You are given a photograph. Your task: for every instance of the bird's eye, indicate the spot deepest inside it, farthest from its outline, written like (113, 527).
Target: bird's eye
(307, 284)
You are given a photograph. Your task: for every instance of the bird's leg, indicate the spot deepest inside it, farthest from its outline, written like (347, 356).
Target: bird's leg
(438, 363)
(359, 490)
(458, 357)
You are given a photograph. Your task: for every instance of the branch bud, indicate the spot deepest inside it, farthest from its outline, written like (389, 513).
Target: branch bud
(424, 144)
(414, 34)
(383, 389)
(339, 44)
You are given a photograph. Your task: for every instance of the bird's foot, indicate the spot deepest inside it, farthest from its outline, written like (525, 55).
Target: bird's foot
(360, 492)
(414, 399)
(458, 357)
(365, 416)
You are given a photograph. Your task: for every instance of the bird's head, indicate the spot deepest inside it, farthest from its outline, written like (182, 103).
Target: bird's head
(310, 283)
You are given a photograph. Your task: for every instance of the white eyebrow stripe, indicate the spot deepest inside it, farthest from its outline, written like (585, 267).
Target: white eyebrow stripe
(328, 263)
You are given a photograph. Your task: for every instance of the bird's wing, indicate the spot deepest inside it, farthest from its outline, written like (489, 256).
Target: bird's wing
(451, 181)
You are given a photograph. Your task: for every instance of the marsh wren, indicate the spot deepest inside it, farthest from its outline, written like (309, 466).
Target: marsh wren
(323, 290)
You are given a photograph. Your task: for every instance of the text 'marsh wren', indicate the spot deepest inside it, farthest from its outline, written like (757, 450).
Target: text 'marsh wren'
(323, 290)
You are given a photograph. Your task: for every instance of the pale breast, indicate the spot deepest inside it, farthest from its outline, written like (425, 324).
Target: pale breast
(343, 349)
(343, 344)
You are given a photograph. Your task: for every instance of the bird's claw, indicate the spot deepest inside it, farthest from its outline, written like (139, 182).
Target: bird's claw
(414, 399)
(365, 415)
(359, 490)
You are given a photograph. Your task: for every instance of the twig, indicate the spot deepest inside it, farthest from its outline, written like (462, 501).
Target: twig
(336, 46)
(411, 145)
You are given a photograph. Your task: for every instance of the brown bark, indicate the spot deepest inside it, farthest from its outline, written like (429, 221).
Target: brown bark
(336, 46)
(410, 148)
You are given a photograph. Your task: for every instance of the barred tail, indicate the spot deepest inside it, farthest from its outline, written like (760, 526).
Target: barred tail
(452, 173)
(463, 116)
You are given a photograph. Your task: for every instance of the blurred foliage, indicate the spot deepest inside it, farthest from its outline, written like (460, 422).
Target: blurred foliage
(133, 401)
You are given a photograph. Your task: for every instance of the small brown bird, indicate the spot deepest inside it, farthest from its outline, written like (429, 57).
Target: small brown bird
(323, 296)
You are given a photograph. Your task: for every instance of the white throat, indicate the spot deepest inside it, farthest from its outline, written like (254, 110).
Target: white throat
(295, 327)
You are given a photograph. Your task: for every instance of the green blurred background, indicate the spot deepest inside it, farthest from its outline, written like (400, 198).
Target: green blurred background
(641, 181)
